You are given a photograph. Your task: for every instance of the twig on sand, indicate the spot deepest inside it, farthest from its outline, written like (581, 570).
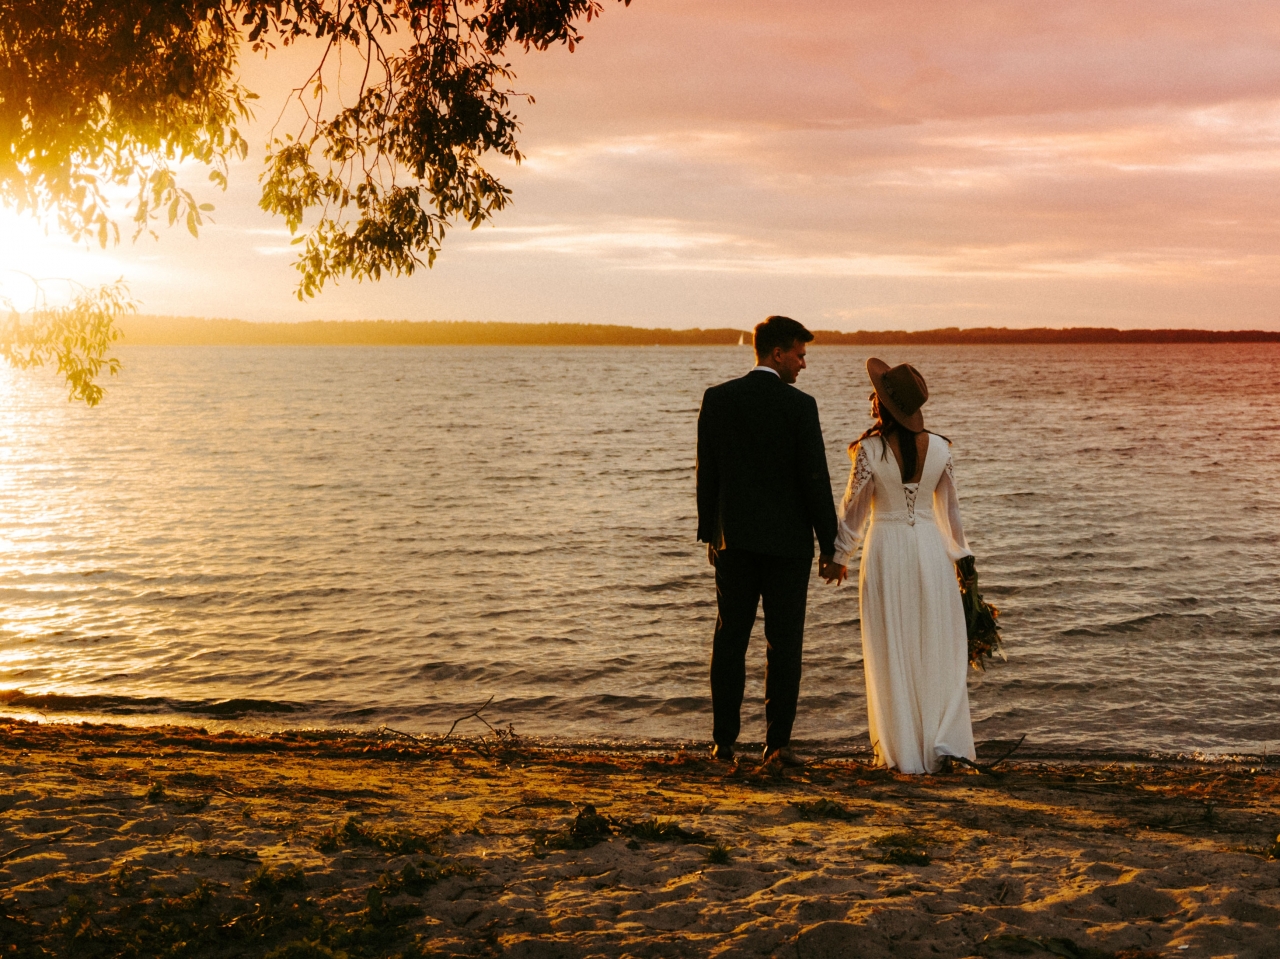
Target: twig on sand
(474, 714)
(39, 842)
(991, 766)
(532, 802)
(409, 736)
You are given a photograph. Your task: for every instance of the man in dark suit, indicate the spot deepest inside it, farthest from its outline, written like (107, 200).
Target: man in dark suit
(763, 494)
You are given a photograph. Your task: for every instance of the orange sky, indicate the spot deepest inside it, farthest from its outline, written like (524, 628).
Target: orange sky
(855, 165)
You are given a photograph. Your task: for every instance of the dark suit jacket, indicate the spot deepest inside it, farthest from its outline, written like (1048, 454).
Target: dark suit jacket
(763, 483)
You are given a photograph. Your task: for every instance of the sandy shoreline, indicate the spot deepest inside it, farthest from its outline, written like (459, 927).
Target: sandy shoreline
(170, 841)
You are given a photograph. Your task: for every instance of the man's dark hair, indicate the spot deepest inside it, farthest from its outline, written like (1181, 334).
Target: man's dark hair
(780, 331)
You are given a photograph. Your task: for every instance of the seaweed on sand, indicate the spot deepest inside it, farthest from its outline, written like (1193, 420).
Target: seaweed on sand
(304, 949)
(824, 808)
(268, 915)
(274, 883)
(353, 832)
(902, 849)
(1056, 946)
(663, 830)
(588, 829)
(415, 880)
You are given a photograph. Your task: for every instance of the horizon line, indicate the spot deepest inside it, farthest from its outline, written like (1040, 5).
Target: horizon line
(160, 330)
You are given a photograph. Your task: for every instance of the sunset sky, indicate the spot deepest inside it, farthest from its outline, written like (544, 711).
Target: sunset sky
(869, 165)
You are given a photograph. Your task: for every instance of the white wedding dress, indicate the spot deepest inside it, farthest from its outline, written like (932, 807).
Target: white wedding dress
(914, 645)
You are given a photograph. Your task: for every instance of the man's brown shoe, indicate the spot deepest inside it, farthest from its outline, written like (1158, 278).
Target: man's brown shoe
(784, 755)
(722, 754)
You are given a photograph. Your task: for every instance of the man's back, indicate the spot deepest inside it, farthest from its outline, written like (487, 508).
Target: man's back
(763, 483)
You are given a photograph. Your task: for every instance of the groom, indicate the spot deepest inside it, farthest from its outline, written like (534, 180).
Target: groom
(763, 494)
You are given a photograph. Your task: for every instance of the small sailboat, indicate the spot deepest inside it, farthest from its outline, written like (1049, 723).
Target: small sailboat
(742, 339)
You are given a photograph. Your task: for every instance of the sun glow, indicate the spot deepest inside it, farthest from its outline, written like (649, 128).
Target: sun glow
(38, 262)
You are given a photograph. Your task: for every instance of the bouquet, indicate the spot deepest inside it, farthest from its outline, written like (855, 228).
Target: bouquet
(980, 617)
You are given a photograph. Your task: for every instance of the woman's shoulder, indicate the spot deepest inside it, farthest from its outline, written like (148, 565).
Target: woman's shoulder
(870, 443)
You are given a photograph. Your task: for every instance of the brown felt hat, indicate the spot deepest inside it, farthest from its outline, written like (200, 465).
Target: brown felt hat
(901, 389)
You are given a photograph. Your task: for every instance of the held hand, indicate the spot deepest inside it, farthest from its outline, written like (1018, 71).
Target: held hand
(831, 571)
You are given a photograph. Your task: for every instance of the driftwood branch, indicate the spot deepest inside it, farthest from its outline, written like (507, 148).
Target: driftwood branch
(474, 714)
(409, 736)
(991, 766)
(39, 842)
(531, 803)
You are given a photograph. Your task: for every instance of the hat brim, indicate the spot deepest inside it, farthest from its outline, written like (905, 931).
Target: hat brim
(876, 369)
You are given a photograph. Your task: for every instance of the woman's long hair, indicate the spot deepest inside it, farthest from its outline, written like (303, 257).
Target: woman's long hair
(887, 425)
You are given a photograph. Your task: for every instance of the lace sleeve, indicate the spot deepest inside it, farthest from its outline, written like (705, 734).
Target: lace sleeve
(946, 512)
(855, 508)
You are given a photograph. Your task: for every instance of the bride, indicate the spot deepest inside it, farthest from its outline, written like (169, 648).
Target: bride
(914, 645)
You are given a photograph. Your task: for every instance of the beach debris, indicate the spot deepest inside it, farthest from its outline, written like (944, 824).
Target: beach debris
(44, 841)
(240, 855)
(157, 793)
(417, 740)
(662, 830)
(381, 913)
(304, 949)
(353, 832)
(1059, 946)
(474, 714)
(415, 880)
(824, 808)
(588, 829)
(274, 883)
(902, 849)
(990, 768)
(17, 929)
(529, 803)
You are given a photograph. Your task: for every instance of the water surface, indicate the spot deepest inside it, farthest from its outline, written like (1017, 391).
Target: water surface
(357, 536)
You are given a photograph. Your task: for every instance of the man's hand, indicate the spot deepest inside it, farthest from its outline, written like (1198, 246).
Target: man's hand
(831, 571)
(711, 554)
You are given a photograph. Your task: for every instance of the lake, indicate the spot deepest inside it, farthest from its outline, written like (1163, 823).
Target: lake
(347, 537)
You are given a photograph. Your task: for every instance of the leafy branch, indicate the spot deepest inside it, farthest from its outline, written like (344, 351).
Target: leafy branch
(76, 336)
(103, 93)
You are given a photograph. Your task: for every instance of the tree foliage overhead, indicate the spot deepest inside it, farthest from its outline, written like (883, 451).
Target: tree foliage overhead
(103, 93)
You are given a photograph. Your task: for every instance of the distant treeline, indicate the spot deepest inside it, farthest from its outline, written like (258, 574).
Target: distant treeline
(181, 331)
(190, 331)
(954, 336)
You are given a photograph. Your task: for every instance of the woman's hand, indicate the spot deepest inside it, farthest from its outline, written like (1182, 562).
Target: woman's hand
(831, 571)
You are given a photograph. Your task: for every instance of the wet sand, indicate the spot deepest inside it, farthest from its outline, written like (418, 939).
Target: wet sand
(171, 841)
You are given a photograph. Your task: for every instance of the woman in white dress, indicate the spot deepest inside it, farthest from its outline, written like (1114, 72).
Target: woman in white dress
(914, 645)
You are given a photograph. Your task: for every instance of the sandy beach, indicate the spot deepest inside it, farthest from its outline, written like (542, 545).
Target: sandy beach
(171, 841)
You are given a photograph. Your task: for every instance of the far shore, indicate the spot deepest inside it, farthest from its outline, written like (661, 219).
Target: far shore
(308, 845)
(150, 330)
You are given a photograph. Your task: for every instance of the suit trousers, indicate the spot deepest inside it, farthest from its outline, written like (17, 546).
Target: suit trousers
(743, 579)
